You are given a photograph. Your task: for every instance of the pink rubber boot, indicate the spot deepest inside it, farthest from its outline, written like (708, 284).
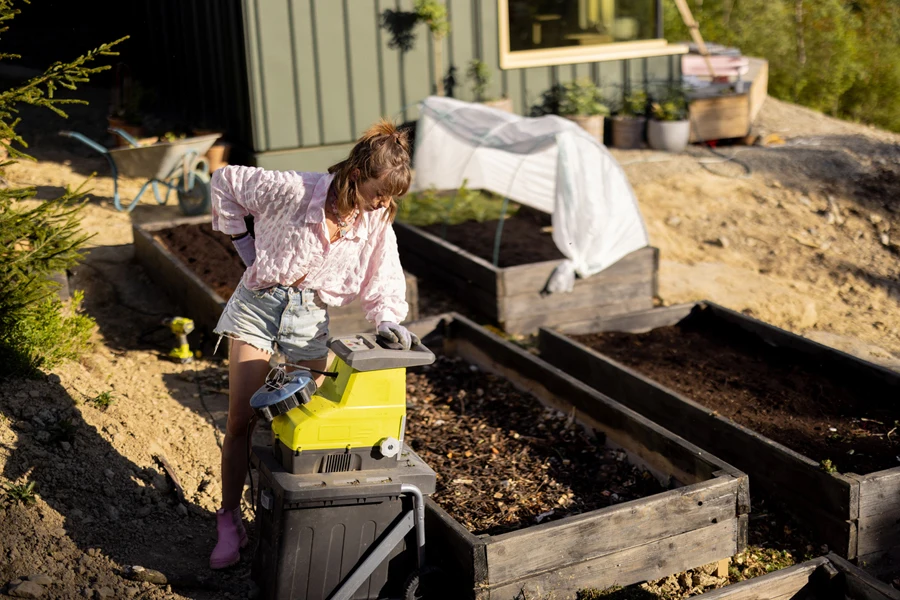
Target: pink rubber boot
(232, 537)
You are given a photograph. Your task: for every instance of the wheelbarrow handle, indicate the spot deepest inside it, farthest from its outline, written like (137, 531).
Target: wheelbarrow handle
(84, 140)
(125, 136)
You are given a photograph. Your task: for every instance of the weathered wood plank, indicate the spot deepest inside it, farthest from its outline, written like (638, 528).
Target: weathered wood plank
(539, 548)
(766, 461)
(614, 292)
(784, 583)
(879, 533)
(456, 549)
(785, 339)
(415, 241)
(648, 441)
(879, 493)
(473, 296)
(860, 585)
(524, 279)
(641, 563)
(636, 322)
(531, 323)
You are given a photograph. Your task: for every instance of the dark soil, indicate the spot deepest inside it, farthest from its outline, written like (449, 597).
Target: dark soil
(522, 241)
(209, 254)
(817, 412)
(504, 461)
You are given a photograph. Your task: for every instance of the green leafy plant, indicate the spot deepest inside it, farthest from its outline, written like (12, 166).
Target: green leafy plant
(19, 493)
(401, 25)
(480, 76)
(671, 105)
(465, 204)
(827, 466)
(582, 97)
(103, 400)
(634, 104)
(39, 241)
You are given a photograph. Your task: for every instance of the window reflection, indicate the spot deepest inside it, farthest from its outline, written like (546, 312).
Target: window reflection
(542, 24)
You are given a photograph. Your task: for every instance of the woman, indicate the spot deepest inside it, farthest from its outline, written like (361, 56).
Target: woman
(320, 239)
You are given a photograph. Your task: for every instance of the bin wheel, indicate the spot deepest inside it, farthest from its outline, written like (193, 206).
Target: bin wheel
(195, 201)
(428, 583)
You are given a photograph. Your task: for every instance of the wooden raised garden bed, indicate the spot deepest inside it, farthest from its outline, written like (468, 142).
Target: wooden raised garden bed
(201, 283)
(492, 520)
(825, 578)
(815, 427)
(511, 293)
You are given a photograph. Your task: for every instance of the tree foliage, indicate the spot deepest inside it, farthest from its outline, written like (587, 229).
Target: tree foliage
(36, 329)
(838, 56)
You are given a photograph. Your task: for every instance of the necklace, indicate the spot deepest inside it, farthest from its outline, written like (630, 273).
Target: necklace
(341, 222)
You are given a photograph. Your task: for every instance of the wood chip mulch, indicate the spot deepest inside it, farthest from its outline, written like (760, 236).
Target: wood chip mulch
(505, 461)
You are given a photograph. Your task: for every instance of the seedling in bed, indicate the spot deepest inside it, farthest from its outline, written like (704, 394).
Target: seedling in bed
(828, 466)
(21, 493)
(62, 431)
(102, 400)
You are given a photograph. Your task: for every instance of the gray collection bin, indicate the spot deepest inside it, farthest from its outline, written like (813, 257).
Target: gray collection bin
(315, 528)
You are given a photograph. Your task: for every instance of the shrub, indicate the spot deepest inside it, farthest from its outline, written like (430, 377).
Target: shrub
(582, 97)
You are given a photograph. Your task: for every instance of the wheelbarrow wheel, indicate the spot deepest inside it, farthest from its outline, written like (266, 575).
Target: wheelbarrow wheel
(195, 201)
(428, 583)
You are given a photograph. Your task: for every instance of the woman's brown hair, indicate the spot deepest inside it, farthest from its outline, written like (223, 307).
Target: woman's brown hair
(382, 151)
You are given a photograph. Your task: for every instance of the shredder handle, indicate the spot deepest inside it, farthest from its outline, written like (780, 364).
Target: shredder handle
(412, 520)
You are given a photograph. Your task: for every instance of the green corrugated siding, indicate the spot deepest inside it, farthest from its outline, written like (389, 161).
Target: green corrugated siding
(321, 71)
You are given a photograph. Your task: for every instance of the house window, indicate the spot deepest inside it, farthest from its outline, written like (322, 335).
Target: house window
(537, 33)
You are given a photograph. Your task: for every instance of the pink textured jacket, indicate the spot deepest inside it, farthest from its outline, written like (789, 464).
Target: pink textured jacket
(292, 240)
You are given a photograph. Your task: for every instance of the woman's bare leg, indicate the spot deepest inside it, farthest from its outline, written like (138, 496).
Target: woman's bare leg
(247, 371)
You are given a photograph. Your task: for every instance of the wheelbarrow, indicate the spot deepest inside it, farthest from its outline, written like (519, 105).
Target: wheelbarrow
(178, 165)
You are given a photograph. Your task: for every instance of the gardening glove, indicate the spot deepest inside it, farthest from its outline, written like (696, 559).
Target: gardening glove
(398, 334)
(246, 249)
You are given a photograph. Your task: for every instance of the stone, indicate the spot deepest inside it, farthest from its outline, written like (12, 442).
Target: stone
(112, 513)
(41, 579)
(105, 592)
(26, 589)
(131, 592)
(138, 573)
(110, 474)
(182, 510)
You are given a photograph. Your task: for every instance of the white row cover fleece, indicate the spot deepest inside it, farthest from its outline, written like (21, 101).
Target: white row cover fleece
(548, 163)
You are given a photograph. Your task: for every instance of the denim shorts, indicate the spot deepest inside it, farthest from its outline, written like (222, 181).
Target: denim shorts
(277, 319)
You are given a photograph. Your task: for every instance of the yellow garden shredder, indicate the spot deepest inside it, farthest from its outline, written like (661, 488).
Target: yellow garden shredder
(340, 507)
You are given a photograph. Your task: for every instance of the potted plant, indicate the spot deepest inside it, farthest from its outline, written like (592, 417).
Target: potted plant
(628, 126)
(480, 76)
(401, 23)
(669, 128)
(581, 101)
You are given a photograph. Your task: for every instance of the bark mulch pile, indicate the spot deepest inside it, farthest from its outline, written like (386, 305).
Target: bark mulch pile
(504, 460)
(851, 423)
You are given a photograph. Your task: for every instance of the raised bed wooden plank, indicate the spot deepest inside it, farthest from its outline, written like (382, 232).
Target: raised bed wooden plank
(524, 279)
(433, 250)
(516, 301)
(204, 305)
(859, 585)
(682, 528)
(634, 322)
(516, 555)
(781, 584)
(640, 563)
(855, 515)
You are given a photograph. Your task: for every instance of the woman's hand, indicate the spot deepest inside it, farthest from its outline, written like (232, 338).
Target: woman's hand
(398, 334)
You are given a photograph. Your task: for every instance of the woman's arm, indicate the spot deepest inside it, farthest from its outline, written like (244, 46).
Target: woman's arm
(383, 290)
(234, 196)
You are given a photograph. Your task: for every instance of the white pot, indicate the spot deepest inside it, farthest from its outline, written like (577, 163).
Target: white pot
(671, 136)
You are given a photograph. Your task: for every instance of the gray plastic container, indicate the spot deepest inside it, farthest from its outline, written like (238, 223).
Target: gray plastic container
(313, 529)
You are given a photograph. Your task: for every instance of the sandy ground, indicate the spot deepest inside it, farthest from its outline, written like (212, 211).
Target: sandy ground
(802, 235)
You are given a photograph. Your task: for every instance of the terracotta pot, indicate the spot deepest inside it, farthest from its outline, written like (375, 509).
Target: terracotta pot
(593, 124)
(671, 136)
(628, 132)
(505, 104)
(218, 155)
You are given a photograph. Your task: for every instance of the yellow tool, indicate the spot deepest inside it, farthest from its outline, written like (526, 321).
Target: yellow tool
(181, 327)
(355, 421)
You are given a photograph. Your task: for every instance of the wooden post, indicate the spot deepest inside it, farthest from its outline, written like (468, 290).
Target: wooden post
(722, 568)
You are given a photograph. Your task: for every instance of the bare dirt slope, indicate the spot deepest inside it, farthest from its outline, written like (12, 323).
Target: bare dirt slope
(802, 236)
